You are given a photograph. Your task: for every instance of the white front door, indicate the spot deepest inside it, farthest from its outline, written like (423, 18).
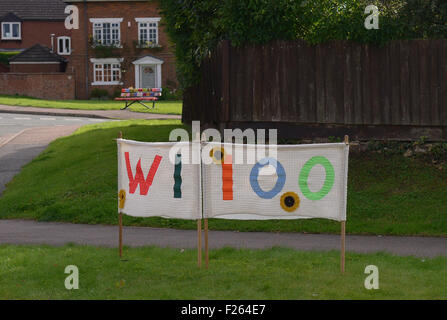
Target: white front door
(148, 74)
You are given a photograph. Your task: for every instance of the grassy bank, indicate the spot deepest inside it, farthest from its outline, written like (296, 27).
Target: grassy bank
(37, 272)
(75, 180)
(164, 107)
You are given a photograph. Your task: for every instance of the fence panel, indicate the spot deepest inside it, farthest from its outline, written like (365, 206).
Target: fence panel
(340, 82)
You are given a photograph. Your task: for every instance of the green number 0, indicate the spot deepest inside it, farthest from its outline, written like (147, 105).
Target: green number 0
(328, 183)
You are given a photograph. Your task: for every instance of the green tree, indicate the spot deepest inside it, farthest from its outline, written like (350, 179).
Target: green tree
(196, 26)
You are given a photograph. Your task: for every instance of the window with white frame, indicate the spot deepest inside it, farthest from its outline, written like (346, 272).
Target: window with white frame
(106, 71)
(64, 45)
(106, 31)
(148, 31)
(11, 31)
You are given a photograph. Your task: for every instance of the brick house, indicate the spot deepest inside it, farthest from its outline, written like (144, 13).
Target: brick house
(120, 44)
(36, 29)
(25, 23)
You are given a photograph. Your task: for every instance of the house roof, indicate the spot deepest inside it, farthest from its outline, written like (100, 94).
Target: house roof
(10, 17)
(38, 54)
(33, 9)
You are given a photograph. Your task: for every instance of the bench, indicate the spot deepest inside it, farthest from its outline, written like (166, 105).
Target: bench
(139, 95)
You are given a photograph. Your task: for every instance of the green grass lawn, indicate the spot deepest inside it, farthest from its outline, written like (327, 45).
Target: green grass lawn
(164, 107)
(37, 272)
(75, 180)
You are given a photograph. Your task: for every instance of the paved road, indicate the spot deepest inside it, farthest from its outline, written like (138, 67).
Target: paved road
(50, 233)
(23, 137)
(11, 123)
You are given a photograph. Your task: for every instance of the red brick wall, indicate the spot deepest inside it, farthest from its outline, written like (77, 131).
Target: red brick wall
(128, 10)
(35, 68)
(37, 32)
(3, 68)
(39, 85)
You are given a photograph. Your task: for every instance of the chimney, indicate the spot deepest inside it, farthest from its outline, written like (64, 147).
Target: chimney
(52, 42)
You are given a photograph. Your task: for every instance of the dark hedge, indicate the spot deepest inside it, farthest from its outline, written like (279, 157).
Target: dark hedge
(196, 26)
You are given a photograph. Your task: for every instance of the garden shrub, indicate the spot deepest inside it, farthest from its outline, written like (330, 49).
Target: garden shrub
(97, 93)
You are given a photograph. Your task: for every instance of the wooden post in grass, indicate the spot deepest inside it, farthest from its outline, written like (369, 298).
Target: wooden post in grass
(120, 234)
(199, 243)
(206, 244)
(343, 232)
(120, 219)
(198, 139)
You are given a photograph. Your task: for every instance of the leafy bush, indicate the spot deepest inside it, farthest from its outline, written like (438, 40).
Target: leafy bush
(197, 26)
(116, 93)
(97, 93)
(171, 94)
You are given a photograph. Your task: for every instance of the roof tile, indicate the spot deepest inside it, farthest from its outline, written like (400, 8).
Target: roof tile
(37, 53)
(33, 9)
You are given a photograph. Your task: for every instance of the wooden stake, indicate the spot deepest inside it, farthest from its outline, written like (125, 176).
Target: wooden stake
(120, 234)
(206, 244)
(343, 232)
(343, 238)
(199, 243)
(120, 220)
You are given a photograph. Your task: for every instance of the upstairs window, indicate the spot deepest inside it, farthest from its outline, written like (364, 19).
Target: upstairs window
(106, 32)
(11, 31)
(148, 31)
(64, 45)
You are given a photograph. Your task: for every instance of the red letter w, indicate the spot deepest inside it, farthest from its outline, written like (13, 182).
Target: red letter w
(139, 176)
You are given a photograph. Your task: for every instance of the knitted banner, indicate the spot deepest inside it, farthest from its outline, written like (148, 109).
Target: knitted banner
(300, 181)
(303, 181)
(151, 184)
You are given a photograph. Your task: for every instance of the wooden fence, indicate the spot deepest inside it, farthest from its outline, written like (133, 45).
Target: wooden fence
(398, 91)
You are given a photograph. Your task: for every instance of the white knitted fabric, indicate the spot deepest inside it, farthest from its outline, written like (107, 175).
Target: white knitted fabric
(160, 198)
(314, 203)
(301, 181)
